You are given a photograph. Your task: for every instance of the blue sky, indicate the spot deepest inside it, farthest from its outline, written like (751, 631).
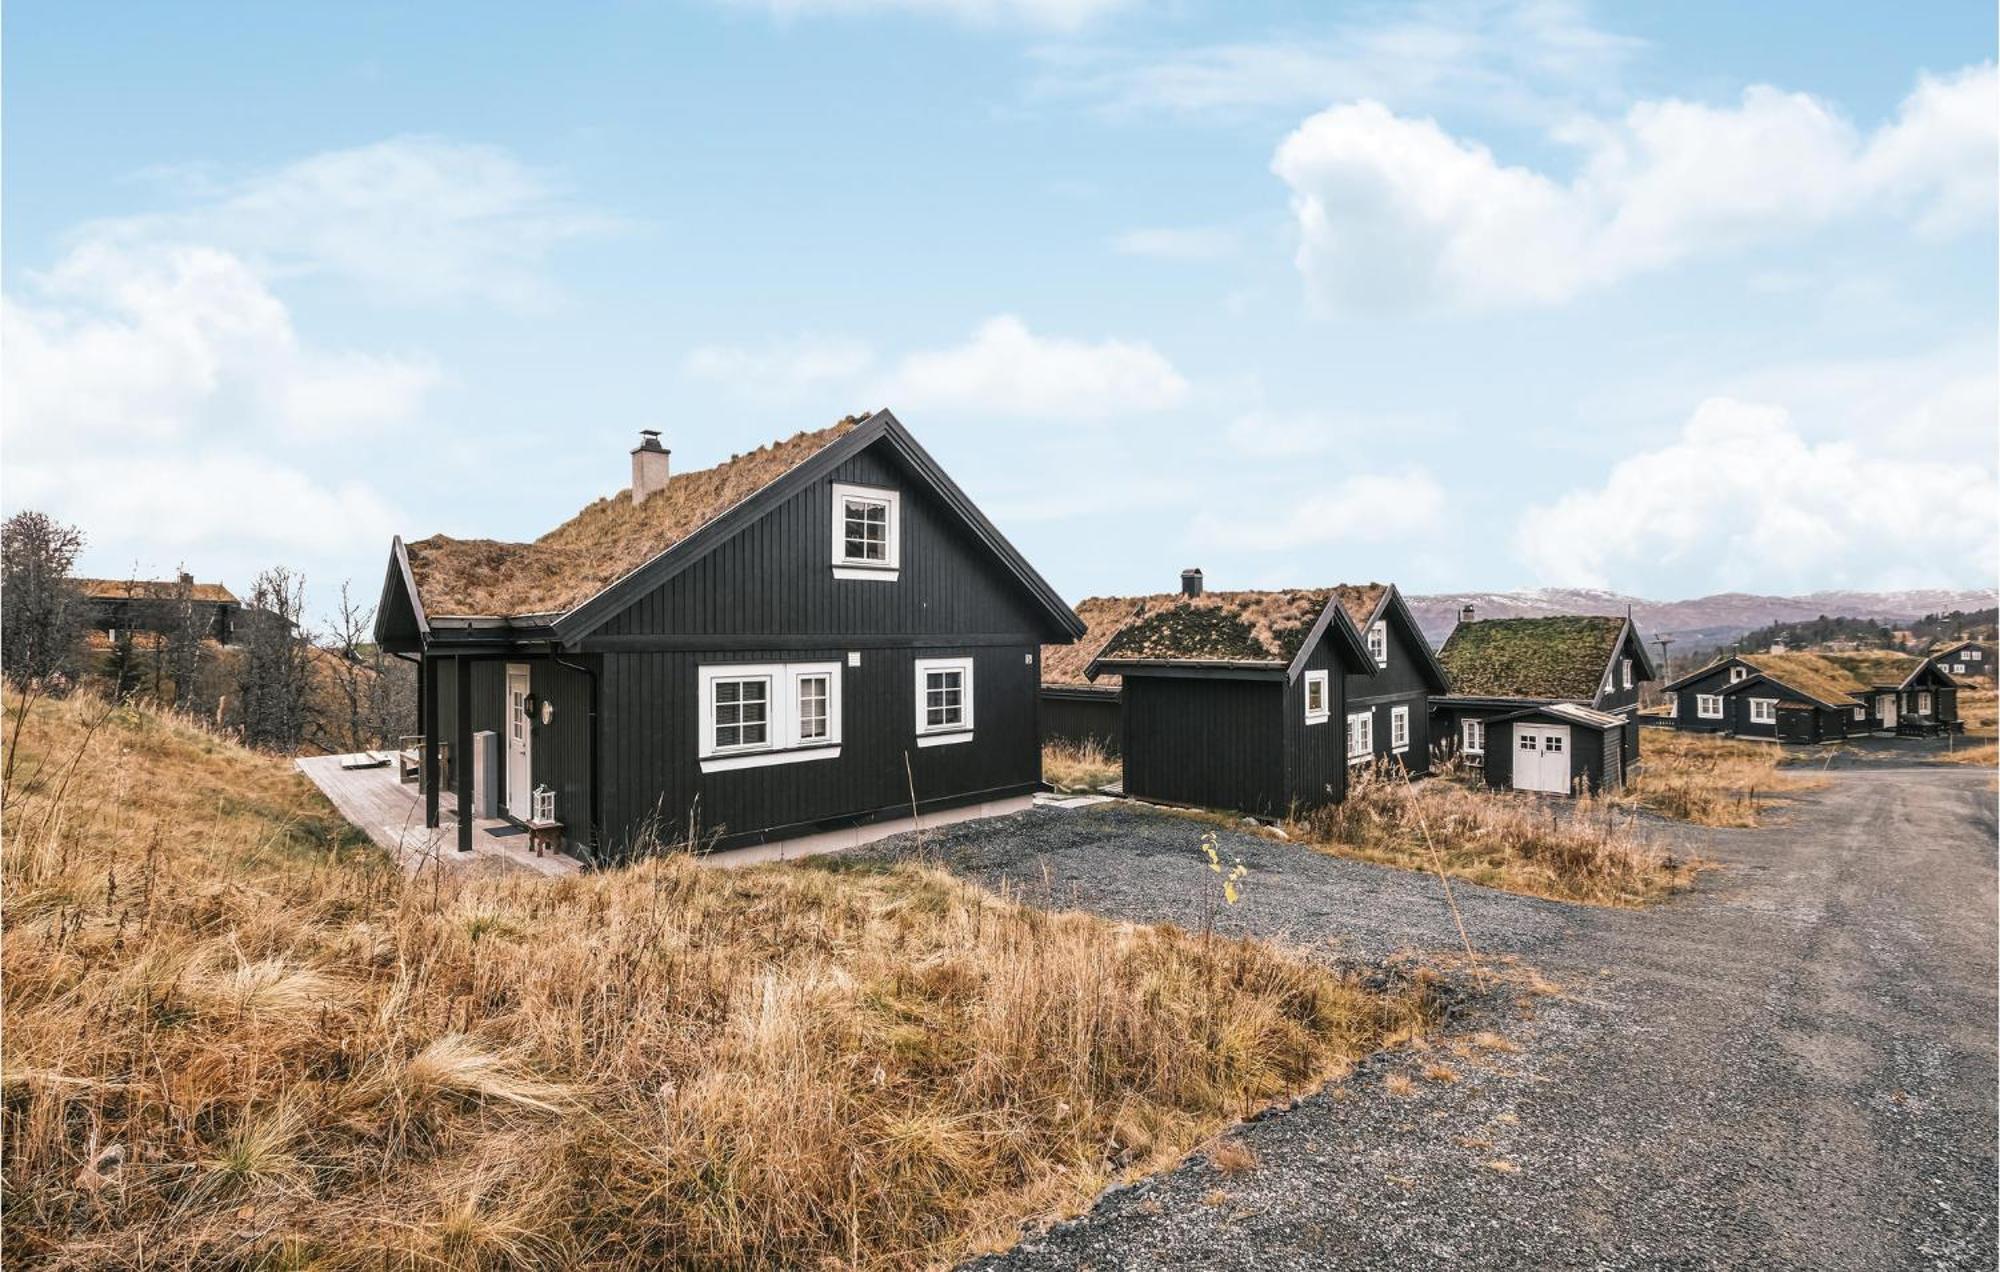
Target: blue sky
(1672, 299)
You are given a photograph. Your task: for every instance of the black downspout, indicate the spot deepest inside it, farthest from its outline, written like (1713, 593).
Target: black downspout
(590, 675)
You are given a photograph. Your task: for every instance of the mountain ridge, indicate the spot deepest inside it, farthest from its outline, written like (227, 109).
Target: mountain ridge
(1712, 620)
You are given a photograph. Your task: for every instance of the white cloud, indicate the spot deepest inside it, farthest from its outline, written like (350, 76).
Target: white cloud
(1007, 370)
(1395, 213)
(1187, 244)
(162, 399)
(409, 218)
(785, 371)
(1053, 15)
(1363, 508)
(1750, 503)
(1513, 59)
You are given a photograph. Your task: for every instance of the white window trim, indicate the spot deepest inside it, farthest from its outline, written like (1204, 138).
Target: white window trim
(1975, 655)
(1861, 713)
(1738, 673)
(1627, 666)
(886, 570)
(1468, 731)
(1702, 709)
(1378, 642)
(781, 744)
(1360, 736)
(1399, 722)
(944, 734)
(1318, 680)
(1958, 669)
(1763, 710)
(1923, 702)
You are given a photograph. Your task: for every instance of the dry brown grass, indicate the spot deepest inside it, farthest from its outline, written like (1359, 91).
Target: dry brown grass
(1573, 851)
(1710, 780)
(1233, 1157)
(1071, 766)
(1979, 707)
(233, 1037)
(1980, 754)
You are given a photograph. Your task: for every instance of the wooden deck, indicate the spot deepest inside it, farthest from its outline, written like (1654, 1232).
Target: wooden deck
(391, 813)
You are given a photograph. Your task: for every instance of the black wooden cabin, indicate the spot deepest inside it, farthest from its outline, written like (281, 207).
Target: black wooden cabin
(1236, 699)
(1501, 666)
(1965, 659)
(1810, 697)
(810, 638)
(157, 606)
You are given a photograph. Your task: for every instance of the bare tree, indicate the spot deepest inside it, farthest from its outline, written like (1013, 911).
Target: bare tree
(351, 671)
(184, 632)
(275, 699)
(41, 620)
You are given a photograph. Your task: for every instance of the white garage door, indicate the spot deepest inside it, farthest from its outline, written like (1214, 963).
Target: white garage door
(1541, 758)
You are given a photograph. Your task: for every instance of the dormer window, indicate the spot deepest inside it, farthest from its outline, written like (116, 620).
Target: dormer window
(1378, 644)
(867, 533)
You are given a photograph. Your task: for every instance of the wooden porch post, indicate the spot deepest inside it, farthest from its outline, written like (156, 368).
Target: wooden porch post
(461, 750)
(427, 686)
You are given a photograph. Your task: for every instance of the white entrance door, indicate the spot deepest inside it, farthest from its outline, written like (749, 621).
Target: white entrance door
(1541, 758)
(1885, 708)
(519, 738)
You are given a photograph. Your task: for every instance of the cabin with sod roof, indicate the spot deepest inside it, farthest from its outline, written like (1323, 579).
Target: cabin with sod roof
(806, 643)
(1503, 666)
(1385, 704)
(1234, 699)
(159, 606)
(1965, 659)
(1817, 697)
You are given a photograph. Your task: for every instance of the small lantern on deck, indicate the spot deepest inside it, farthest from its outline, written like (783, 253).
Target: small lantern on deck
(545, 803)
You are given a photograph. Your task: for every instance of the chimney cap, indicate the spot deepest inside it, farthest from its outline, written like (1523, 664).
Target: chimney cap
(649, 440)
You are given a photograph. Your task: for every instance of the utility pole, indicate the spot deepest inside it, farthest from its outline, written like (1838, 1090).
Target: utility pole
(1663, 642)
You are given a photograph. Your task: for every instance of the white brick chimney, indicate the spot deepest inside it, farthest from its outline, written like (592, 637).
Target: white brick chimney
(649, 465)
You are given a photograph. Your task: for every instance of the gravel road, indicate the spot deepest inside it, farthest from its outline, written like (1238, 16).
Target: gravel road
(1794, 1066)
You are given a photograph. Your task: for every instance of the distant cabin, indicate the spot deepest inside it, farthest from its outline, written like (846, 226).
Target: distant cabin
(1965, 659)
(1506, 672)
(155, 606)
(1816, 697)
(1385, 701)
(1233, 699)
(803, 644)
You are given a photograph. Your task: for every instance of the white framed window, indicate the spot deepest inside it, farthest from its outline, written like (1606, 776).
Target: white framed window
(1399, 728)
(1708, 706)
(1958, 669)
(1378, 643)
(1360, 736)
(1924, 702)
(768, 713)
(1861, 713)
(1974, 655)
(1763, 710)
(1552, 744)
(944, 701)
(1737, 673)
(1626, 665)
(867, 532)
(1318, 708)
(1527, 741)
(1472, 736)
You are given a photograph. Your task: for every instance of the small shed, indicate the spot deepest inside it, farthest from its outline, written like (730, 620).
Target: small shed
(1559, 748)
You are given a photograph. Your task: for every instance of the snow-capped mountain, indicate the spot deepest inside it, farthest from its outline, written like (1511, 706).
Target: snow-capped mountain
(1704, 620)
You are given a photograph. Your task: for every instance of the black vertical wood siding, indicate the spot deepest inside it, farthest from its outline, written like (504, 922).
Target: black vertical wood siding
(1078, 719)
(1399, 684)
(1213, 741)
(1316, 754)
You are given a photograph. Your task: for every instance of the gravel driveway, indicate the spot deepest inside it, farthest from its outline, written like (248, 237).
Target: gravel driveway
(1792, 1067)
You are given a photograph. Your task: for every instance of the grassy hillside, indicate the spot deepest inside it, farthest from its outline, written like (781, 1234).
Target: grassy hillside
(234, 1038)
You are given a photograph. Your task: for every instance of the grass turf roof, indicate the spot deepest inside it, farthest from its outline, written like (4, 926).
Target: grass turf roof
(149, 590)
(1105, 616)
(1239, 627)
(1558, 657)
(1834, 678)
(599, 545)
